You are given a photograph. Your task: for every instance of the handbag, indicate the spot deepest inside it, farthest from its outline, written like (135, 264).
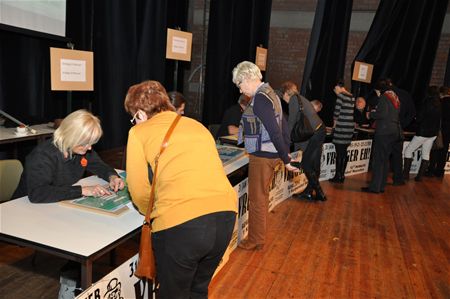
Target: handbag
(146, 267)
(302, 129)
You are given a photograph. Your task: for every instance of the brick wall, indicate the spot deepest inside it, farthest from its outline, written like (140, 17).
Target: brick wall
(440, 61)
(287, 55)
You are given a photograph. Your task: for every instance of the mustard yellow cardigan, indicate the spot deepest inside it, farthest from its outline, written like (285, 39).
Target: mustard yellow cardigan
(190, 182)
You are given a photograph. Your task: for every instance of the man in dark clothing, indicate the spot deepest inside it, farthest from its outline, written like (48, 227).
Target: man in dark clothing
(438, 157)
(232, 117)
(387, 136)
(406, 115)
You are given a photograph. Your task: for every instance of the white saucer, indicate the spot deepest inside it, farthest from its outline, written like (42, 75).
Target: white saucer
(20, 134)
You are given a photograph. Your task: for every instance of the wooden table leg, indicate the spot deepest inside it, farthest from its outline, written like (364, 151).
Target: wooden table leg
(86, 274)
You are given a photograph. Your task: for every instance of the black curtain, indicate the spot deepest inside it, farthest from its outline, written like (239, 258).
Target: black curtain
(447, 71)
(25, 76)
(325, 60)
(129, 43)
(236, 28)
(402, 43)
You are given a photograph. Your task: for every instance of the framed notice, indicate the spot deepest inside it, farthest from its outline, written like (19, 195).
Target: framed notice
(179, 45)
(71, 69)
(362, 72)
(261, 58)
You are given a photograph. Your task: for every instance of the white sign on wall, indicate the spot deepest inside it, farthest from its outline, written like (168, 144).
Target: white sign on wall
(73, 70)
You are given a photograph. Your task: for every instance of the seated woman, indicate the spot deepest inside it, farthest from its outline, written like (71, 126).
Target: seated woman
(195, 206)
(360, 116)
(56, 164)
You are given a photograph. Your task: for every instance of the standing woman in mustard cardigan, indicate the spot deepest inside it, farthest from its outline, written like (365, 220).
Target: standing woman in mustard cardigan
(195, 206)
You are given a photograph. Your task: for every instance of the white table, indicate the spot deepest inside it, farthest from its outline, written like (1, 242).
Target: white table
(71, 233)
(8, 135)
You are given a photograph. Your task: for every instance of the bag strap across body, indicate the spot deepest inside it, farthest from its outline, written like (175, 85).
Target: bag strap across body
(161, 150)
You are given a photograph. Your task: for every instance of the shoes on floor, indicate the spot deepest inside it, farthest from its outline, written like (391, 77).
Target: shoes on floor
(398, 183)
(246, 245)
(303, 196)
(367, 190)
(336, 180)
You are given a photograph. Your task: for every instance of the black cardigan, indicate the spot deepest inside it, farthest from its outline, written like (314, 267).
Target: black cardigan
(48, 176)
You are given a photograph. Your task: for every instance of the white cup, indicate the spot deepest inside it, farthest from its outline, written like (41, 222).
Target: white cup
(21, 130)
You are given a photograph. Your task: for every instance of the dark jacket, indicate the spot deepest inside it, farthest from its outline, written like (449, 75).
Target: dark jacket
(445, 108)
(231, 117)
(48, 176)
(308, 110)
(407, 107)
(386, 116)
(429, 118)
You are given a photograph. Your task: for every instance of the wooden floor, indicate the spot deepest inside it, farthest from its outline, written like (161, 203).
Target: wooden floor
(355, 245)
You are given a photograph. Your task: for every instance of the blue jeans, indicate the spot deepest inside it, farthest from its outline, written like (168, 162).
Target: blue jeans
(188, 254)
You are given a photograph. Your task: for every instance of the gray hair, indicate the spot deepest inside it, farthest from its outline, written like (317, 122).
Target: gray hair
(78, 128)
(246, 70)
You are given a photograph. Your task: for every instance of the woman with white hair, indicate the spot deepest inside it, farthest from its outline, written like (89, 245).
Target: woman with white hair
(56, 164)
(266, 136)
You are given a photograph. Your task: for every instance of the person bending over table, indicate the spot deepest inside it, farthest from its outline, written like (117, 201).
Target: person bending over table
(56, 164)
(312, 148)
(178, 101)
(195, 206)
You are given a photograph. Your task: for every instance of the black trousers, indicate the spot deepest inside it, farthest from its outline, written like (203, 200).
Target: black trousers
(382, 149)
(188, 254)
(397, 162)
(439, 157)
(341, 159)
(313, 153)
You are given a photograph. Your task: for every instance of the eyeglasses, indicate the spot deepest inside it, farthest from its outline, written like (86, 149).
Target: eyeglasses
(133, 120)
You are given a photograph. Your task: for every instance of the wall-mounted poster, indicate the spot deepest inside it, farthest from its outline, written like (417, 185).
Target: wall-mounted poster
(261, 58)
(362, 72)
(71, 69)
(179, 44)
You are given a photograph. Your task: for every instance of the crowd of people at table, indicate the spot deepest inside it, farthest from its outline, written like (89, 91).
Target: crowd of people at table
(199, 201)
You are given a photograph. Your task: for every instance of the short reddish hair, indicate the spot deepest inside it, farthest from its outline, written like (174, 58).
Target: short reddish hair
(149, 96)
(288, 87)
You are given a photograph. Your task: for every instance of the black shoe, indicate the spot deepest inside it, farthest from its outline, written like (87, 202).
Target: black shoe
(305, 195)
(321, 196)
(336, 180)
(398, 183)
(367, 190)
(429, 174)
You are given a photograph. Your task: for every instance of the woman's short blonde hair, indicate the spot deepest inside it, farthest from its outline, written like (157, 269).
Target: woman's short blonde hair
(149, 96)
(78, 128)
(246, 70)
